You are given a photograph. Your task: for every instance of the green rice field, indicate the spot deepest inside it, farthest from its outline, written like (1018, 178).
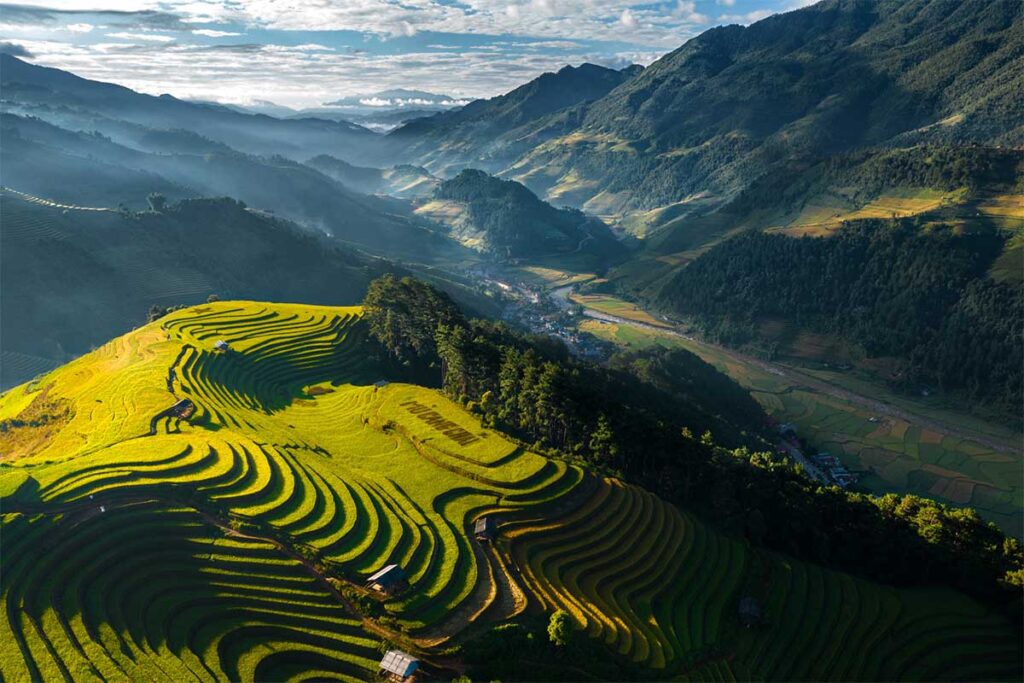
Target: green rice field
(227, 544)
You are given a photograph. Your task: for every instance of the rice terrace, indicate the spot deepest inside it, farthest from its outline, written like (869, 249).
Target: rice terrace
(233, 544)
(531, 341)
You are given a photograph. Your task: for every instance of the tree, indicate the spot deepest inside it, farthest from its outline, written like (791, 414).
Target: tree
(156, 311)
(157, 202)
(404, 314)
(602, 442)
(212, 299)
(560, 628)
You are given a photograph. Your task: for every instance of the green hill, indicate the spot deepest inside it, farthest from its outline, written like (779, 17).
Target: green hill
(503, 218)
(233, 543)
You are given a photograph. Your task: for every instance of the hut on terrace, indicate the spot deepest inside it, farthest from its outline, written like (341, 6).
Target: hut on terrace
(222, 346)
(485, 529)
(390, 580)
(398, 666)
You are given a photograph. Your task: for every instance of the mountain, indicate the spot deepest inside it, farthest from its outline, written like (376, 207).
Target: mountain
(91, 169)
(80, 104)
(735, 103)
(404, 180)
(397, 98)
(483, 133)
(504, 218)
(81, 276)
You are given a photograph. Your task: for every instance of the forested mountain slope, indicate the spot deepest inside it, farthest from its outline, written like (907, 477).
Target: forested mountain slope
(895, 288)
(734, 103)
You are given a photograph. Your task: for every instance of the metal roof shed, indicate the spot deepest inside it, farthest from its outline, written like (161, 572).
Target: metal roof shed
(387, 576)
(400, 664)
(485, 529)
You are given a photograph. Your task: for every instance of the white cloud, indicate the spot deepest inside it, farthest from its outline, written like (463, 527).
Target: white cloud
(686, 10)
(748, 18)
(147, 37)
(80, 28)
(212, 33)
(627, 19)
(727, 3)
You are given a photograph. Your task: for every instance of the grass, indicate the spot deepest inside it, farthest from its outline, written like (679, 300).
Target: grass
(120, 561)
(827, 213)
(617, 307)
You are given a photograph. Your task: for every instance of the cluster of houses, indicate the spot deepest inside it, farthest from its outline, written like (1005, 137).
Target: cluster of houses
(837, 472)
(399, 666)
(823, 467)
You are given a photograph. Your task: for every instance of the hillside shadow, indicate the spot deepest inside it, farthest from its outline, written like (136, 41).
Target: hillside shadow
(144, 574)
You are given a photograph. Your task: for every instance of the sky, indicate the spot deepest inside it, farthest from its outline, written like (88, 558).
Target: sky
(304, 53)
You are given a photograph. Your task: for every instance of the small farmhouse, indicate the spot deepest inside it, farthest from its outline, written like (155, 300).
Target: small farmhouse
(399, 666)
(183, 409)
(485, 529)
(749, 612)
(389, 580)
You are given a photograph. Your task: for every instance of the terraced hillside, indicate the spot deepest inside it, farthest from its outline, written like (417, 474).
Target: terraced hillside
(229, 538)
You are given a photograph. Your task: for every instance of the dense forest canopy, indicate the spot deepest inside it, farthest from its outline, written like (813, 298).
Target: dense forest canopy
(896, 288)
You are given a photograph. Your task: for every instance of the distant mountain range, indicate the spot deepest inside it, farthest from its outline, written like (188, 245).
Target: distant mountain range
(120, 113)
(380, 111)
(485, 133)
(734, 103)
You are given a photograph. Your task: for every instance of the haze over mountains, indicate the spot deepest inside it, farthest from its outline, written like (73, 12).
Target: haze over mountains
(674, 153)
(709, 370)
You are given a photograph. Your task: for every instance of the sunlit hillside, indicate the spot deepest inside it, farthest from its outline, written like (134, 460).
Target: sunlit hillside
(205, 498)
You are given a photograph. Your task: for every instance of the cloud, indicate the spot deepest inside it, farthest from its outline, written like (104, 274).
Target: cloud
(686, 10)
(727, 3)
(80, 28)
(126, 14)
(212, 33)
(15, 50)
(627, 19)
(748, 18)
(147, 37)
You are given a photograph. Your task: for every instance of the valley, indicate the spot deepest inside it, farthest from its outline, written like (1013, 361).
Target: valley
(678, 341)
(893, 442)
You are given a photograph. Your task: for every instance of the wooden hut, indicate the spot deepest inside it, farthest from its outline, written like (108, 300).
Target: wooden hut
(183, 409)
(485, 529)
(390, 580)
